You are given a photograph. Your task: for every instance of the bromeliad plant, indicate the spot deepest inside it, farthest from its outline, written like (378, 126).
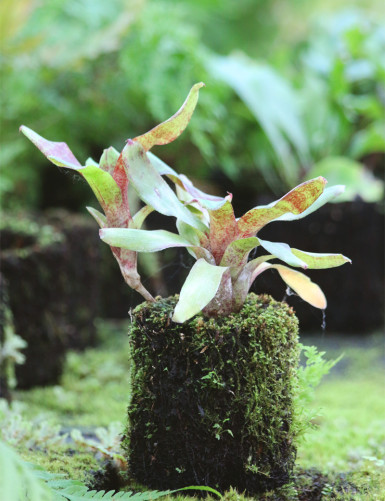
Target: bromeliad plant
(220, 279)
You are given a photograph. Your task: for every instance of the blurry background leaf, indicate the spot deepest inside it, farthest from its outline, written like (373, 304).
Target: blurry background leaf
(358, 181)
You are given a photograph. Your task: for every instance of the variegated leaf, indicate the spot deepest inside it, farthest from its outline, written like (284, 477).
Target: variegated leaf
(223, 230)
(329, 194)
(319, 261)
(172, 128)
(295, 202)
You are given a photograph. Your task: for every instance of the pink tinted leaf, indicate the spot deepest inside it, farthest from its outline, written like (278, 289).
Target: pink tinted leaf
(222, 304)
(198, 290)
(295, 202)
(223, 230)
(319, 261)
(127, 261)
(101, 182)
(59, 150)
(172, 128)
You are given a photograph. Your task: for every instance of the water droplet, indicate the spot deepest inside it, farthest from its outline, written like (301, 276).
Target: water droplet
(157, 192)
(323, 325)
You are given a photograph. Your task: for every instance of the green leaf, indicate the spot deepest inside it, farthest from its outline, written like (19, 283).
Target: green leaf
(17, 479)
(317, 261)
(172, 128)
(200, 287)
(283, 252)
(140, 217)
(152, 188)
(109, 159)
(357, 179)
(142, 240)
(98, 216)
(101, 182)
(295, 202)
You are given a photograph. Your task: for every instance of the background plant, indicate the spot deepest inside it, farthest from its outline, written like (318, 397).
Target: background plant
(327, 117)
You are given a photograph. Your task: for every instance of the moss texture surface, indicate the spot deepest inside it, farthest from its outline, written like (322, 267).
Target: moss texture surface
(211, 400)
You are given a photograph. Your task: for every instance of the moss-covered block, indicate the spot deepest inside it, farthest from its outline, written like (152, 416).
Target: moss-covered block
(211, 399)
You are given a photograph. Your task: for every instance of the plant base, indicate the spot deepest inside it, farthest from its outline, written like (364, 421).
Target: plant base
(211, 399)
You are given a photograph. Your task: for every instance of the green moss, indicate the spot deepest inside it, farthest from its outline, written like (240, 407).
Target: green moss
(212, 398)
(77, 465)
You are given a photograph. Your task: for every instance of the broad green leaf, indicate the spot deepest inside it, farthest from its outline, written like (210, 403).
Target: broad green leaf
(200, 287)
(109, 159)
(98, 216)
(172, 128)
(152, 188)
(300, 283)
(319, 261)
(358, 180)
(142, 240)
(223, 230)
(283, 252)
(327, 195)
(295, 202)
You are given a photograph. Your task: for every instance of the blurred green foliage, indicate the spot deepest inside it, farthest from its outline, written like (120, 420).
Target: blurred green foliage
(93, 73)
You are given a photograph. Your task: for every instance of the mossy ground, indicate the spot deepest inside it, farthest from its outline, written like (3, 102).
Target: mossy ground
(350, 428)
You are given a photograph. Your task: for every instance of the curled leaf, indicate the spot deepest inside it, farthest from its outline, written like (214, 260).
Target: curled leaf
(294, 202)
(168, 131)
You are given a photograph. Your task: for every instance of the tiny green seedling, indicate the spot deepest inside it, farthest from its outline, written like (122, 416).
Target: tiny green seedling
(220, 279)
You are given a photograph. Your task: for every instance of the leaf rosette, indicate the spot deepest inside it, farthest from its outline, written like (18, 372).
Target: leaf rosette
(219, 281)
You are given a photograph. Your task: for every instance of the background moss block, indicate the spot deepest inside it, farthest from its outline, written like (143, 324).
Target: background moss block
(211, 399)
